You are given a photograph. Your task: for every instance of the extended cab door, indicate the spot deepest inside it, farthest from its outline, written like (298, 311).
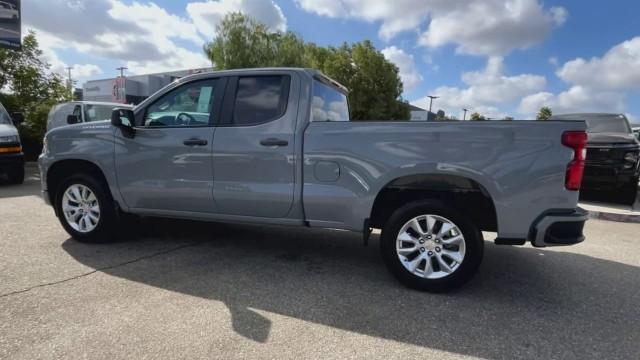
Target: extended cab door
(167, 164)
(253, 148)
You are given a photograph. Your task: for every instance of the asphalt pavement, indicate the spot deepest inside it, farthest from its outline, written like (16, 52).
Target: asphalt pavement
(192, 290)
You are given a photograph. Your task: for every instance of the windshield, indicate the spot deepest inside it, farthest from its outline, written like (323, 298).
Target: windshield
(97, 112)
(328, 104)
(608, 124)
(4, 116)
(600, 123)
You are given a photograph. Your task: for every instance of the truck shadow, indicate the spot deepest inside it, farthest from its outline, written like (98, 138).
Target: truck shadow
(524, 302)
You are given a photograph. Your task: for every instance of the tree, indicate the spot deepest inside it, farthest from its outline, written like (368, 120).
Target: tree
(509, 118)
(477, 117)
(374, 83)
(544, 113)
(27, 85)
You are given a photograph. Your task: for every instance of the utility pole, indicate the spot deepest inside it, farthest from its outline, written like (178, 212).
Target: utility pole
(431, 97)
(122, 69)
(464, 116)
(70, 82)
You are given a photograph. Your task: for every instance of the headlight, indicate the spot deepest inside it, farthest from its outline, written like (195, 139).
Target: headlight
(631, 157)
(11, 139)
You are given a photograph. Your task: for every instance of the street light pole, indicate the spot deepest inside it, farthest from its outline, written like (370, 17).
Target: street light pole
(464, 116)
(122, 69)
(431, 97)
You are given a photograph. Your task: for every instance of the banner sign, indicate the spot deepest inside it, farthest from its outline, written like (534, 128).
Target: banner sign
(10, 24)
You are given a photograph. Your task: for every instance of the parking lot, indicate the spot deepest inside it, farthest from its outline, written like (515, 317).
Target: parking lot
(195, 290)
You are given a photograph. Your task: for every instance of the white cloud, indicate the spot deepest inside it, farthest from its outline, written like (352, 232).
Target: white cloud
(553, 61)
(489, 27)
(206, 15)
(618, 69)
(576, 99)
(84, 71)
(486, 90)
(140, 35)
(407, 66)
(596, 85)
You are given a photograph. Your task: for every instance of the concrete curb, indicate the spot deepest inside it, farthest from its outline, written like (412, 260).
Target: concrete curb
(600, 215)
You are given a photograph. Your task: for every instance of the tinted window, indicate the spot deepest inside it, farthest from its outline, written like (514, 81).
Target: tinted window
(97, 112)
(612, 124)
(328, 103)
(188, 105)
(260, 99)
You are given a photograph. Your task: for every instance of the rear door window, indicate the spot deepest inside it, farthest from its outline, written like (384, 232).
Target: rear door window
(260, 99)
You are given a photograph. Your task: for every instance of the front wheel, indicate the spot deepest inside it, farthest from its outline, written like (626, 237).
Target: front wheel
(85, 209)
(432, 247)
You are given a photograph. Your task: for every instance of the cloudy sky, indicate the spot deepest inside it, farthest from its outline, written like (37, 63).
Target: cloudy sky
(498, 57)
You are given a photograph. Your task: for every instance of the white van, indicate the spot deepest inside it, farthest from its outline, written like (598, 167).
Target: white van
(11, 155)
(80, 111)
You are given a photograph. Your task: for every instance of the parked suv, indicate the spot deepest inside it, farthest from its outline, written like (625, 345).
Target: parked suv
(11, 156)
(613, 154)
(276, 146)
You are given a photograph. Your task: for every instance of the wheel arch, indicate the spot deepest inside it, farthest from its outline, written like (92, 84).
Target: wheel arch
(60, 170)
(463, 193)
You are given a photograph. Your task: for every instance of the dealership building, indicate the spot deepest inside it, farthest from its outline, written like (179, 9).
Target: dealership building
(132, 89)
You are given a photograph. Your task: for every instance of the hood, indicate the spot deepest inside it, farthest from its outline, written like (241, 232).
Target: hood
(611, 138)
(7, 129)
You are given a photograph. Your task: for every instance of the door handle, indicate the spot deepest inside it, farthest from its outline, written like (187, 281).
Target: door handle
(274, 142)
(195, 142)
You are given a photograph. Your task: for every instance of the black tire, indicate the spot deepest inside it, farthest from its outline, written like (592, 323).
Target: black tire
(473, 240)
(104, 230)
(629, 192)
(16, 175)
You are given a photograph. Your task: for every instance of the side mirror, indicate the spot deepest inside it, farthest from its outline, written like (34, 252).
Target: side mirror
(73, 119)
(18, 118)
(124, 120)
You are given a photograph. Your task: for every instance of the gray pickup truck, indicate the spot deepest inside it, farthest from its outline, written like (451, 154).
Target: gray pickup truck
(275, 146)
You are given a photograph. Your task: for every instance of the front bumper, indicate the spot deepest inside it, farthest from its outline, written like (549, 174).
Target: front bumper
(559, 227)
(11, 161)
(607, 176)
(43, 166)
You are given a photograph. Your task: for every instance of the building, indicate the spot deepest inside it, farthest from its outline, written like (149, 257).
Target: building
(420, 114)
(132, 89)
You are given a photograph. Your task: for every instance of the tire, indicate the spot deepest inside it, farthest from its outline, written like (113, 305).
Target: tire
(94, 231)
(629, 192)
(16, 175)
(436, 248)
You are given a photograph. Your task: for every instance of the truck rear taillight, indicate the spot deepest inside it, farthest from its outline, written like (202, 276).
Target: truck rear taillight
(577, 140)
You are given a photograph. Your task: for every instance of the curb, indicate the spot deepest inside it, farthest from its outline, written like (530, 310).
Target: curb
(627, 218)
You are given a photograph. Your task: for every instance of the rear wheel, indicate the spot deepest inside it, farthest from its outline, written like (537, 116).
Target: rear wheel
(85, 209)
(431, 247)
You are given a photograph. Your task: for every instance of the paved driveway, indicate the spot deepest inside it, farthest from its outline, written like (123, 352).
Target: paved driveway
(195, 290)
